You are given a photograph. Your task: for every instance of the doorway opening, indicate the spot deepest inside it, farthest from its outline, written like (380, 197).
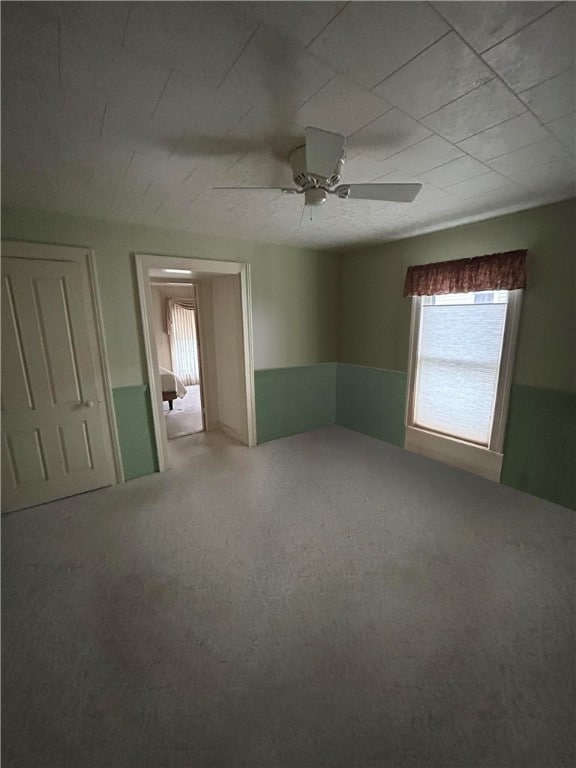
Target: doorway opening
(175, 316)
(209, 300)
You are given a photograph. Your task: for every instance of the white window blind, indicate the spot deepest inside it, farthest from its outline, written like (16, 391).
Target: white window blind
(458, 362)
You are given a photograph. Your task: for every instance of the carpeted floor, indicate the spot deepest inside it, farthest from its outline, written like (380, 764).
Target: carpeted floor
(322, 601)
(185, 418)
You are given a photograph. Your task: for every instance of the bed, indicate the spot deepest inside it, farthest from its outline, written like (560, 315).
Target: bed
(172, 386)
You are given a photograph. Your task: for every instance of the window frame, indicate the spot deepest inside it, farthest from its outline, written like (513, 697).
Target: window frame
(505, 372)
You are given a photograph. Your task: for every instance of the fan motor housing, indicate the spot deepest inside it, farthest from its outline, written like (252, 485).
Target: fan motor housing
(305, 180)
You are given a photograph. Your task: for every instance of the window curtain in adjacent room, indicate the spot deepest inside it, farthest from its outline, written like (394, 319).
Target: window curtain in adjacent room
(183, 339)
(496, 272)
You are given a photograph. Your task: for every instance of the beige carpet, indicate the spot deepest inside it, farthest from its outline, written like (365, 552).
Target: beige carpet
(321, 601)
(186, 416)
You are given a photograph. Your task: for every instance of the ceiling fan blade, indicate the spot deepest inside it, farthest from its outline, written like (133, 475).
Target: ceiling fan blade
(392, 193)
(287, 190)
(323, 151)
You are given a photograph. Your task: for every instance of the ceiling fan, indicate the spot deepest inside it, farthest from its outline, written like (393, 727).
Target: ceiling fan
(316, 168)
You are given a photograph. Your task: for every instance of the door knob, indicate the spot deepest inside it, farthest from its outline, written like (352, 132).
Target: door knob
(88, 403)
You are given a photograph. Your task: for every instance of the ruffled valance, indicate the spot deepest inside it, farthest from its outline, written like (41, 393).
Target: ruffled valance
(496, 272)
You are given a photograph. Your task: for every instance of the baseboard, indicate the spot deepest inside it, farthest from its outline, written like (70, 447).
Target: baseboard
(229, 431)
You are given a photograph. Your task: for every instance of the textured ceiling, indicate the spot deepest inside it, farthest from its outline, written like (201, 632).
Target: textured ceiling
(134, 111)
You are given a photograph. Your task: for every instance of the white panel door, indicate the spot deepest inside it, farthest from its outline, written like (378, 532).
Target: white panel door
(54, 439)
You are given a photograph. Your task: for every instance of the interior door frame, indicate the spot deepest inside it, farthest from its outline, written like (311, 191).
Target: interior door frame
(204, 267)
(85, 258)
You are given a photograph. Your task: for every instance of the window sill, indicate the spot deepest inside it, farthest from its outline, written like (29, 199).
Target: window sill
(449, 450)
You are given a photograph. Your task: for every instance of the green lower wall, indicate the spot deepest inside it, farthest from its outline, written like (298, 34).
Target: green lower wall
(540, 446)
(135, 430)
(291, 400)
(288, 401)
(371, 400)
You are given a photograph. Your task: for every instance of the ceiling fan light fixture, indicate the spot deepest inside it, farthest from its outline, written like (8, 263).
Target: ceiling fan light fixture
(315, 196)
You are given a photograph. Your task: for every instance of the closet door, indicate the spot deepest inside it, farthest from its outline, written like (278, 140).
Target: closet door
(54, 439)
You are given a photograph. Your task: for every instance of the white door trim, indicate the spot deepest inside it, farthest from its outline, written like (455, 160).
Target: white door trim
(198, 267)
(17, 249)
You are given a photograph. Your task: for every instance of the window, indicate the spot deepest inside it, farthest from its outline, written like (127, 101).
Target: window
(183, 340)
(460, 367)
